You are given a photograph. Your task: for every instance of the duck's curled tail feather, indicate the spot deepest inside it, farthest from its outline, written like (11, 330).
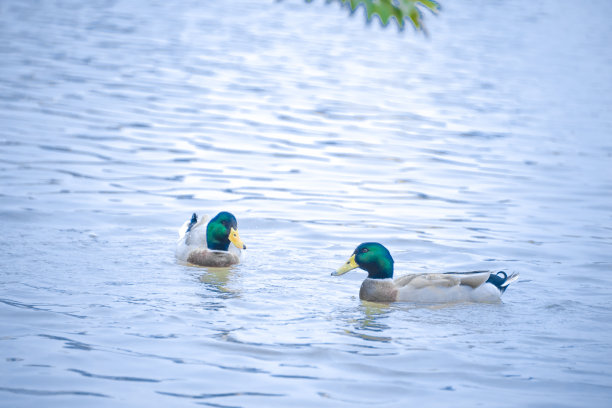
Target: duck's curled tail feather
(501, 280)
(194, 220)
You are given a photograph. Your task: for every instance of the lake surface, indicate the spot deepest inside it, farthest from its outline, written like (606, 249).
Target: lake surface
(487, 145)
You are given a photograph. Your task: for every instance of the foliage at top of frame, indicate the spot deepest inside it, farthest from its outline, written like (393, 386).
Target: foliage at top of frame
(399, 10)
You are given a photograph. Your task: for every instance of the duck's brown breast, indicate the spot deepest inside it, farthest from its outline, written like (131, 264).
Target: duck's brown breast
(378, 290)
(218, 259)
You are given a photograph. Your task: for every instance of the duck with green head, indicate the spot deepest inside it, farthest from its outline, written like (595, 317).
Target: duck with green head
(449, 287)
(209, 244)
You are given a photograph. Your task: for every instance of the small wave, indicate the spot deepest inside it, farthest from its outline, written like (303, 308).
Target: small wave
(112, 377)
(26, 391)
(221, 395)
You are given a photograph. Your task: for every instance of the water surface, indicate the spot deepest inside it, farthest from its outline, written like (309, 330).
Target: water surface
(485, 146)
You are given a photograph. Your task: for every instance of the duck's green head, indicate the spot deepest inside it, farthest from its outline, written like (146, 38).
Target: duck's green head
(222, 230)
(372, 257)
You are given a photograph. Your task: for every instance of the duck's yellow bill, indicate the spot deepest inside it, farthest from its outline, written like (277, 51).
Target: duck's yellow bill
(348, 266)
(235, 239)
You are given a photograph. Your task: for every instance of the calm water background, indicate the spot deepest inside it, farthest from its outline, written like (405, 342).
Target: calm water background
(487, 145)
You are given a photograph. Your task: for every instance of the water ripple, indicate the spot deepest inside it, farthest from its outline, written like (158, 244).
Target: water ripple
(25, 391)
(112, 377)
(220, 395)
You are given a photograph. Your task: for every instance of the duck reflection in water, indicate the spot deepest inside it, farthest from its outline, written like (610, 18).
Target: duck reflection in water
(371, 322)
(219, 280)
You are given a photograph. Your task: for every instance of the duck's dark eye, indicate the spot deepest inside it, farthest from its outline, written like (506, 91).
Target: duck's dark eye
(364, 250)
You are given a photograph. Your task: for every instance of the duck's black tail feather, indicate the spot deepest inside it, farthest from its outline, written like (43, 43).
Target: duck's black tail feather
(194, 220)
(501, 280)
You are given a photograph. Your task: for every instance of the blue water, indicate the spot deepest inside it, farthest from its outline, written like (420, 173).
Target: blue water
(487, 145)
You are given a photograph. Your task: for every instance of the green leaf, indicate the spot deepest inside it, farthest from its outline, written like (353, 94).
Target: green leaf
(415, 17)
(399, 17)
(384, 10)
(371, 8)
(431, 5)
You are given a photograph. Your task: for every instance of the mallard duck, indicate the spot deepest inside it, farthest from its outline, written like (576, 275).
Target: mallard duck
(449, 287)
(210, 245)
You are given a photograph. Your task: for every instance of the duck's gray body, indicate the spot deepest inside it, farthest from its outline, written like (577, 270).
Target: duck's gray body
(437, 287)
